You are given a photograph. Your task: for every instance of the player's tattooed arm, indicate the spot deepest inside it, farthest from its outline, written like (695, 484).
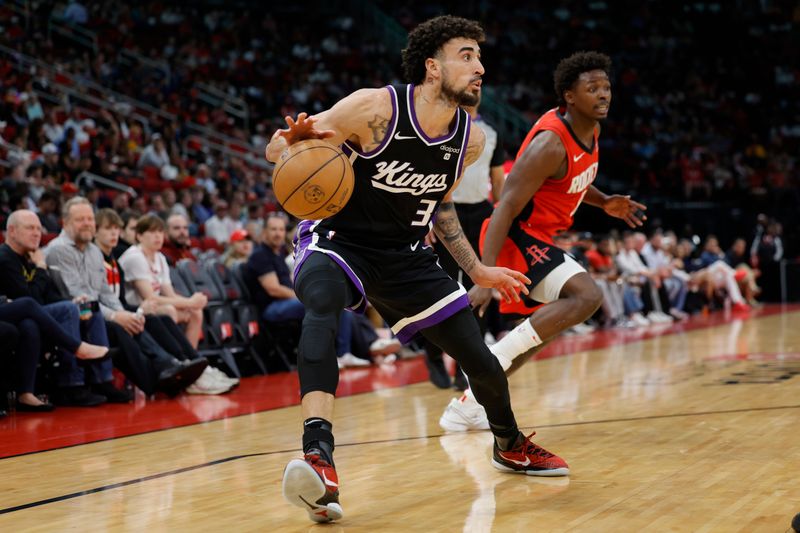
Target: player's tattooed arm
(448, 230)
(378, 126)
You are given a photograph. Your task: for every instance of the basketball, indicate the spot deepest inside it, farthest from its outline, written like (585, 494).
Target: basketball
(313, 179)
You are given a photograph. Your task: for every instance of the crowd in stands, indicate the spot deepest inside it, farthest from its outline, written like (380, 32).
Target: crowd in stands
(695, 118)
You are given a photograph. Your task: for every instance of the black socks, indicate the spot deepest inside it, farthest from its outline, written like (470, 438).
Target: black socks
(507, 438)
(318, 438)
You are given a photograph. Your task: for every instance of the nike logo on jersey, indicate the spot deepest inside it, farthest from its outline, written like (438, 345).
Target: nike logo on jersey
(526, 462)
(576, 158)
(397, 177)
(399, 137)
(414, 246)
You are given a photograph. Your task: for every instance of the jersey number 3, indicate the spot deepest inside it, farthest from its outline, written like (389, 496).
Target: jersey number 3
(425, 213)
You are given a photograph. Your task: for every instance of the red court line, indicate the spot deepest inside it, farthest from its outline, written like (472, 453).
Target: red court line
(28, 432)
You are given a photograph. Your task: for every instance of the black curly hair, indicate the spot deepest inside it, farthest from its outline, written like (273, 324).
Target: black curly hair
(427, 39)
(569, 70)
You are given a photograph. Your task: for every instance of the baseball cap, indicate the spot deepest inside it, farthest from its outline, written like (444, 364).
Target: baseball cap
(49, 148)
(239, 235)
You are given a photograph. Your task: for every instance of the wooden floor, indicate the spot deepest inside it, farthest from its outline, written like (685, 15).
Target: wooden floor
(696, 431)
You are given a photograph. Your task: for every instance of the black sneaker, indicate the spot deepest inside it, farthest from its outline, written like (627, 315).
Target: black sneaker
(112, 394)
(79, 396)
(176, 378)
(437, 372)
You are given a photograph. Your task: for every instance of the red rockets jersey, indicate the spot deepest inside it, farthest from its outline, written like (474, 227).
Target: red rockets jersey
(552, 207)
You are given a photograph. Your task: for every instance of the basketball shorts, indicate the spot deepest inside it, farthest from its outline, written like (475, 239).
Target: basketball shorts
(405, 285)
(546, 265)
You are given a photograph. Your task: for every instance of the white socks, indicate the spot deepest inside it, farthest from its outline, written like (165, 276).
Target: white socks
(517, 342)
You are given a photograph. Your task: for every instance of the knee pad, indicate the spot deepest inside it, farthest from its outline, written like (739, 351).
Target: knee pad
(324, 289)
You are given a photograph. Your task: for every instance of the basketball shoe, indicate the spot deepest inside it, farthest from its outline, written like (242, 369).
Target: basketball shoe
(529, 458)
(311, 483)
(463, 414)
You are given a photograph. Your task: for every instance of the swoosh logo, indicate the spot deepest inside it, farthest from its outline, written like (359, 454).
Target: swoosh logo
(336, 485)
(575, 158)
(414, 246)
(402, 137)
(526, 462)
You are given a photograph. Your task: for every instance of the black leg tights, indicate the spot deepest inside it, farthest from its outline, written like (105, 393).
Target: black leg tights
(461, 337)
(324, 289)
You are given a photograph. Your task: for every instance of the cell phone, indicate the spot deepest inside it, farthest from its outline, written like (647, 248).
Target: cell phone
(88, 308)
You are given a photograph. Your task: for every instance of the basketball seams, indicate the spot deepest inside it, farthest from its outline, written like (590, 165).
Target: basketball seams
(306, 188)
(325, 164)
(339, 186)
(282, 163)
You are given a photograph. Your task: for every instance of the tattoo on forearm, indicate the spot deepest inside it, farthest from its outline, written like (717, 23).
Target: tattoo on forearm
(448, 228)
(378, 125)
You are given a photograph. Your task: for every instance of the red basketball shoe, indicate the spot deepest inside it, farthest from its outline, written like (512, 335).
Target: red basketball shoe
(311, 483)
(530, 459)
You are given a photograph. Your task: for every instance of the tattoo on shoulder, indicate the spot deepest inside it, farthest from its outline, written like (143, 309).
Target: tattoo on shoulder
(378, 125)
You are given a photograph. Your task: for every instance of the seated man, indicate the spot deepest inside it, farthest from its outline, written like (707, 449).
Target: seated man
(267, 275)
(177, 242)
(23, 272)
(270, 284)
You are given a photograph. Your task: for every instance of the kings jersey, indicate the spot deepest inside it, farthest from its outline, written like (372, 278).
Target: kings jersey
(399, 185)
(552, 207)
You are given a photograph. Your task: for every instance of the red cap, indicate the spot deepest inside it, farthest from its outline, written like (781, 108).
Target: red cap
(69, 187)
(239, 235)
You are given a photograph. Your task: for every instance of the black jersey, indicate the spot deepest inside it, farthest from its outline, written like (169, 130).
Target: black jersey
(399, 184)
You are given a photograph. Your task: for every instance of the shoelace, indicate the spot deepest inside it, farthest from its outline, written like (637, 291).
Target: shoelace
(535, 449)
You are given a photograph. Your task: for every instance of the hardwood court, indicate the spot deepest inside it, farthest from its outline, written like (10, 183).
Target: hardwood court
(685, 431)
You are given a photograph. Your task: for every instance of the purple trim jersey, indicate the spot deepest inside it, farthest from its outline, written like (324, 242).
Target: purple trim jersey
(377, 238)
(399, 185)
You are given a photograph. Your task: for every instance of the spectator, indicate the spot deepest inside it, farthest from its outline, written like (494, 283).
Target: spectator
(127, 236)
(221, 225)
(48, 212)
(32, 323)
(174, 363)
(155, 154)
(80, 264)
(24, 272)
(769, 253)
(76, 13)
(177, 244)
(239, 250)
(632, 266)
(147, 277)
(738, 259)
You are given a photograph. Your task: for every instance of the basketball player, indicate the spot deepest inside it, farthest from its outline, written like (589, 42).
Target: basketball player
(552, 175)
(408, 145)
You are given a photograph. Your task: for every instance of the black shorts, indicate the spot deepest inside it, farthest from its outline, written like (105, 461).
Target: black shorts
(405, 285)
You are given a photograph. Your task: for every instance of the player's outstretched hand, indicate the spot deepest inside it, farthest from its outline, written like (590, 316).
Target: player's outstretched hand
(480, 297)
(302, 128)
(509, 283)
(628, 210)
